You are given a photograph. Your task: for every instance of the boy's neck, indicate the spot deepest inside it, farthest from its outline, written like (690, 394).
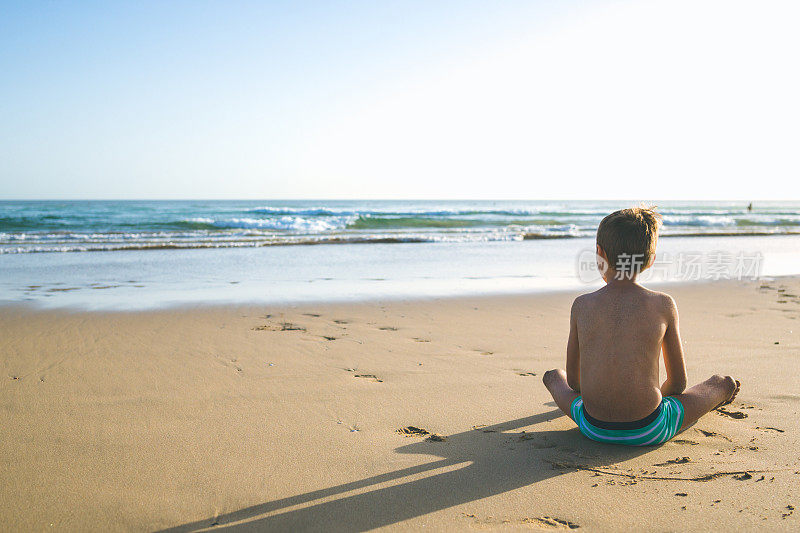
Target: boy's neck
(614, 279)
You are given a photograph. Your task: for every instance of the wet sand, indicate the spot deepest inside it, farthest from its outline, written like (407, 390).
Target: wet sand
(398, 415)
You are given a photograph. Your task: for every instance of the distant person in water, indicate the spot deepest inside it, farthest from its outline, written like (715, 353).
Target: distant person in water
(617, 333)
(750, 207)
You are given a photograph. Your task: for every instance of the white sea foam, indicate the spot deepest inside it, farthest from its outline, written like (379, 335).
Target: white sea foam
(286, 223)
(698, 220)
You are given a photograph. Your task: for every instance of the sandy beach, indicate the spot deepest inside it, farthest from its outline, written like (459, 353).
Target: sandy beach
(397, 415)
(302, 266)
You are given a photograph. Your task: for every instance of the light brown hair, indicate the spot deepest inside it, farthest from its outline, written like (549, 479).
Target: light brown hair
(628, 237)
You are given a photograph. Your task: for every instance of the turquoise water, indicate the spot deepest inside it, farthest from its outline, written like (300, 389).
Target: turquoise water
(139, 255)
(82, 226)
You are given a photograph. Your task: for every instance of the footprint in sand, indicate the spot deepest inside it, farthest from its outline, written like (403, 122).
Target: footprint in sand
(387, 328)
(283, 326)
(413, 431)
(418, 339)
(312, 315)
(552, 522)
(713, 434)
(372, 377)
(676, 461)
(527, 373)
(685, 441)
(536, 441)
(738, 415)
(288, 326)
(537, 522)
(328, 338)
(340, 321)
(768, 428)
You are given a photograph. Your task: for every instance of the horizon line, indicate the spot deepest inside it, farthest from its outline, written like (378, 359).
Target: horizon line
(433, 199)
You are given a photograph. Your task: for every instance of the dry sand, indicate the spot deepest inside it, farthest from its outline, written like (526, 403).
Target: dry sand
(287, 419)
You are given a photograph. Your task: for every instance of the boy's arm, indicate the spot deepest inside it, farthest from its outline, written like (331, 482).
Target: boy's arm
(672, 349)
(573, 353)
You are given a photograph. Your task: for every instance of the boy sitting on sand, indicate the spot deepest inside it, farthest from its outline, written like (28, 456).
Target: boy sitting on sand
(610, 388)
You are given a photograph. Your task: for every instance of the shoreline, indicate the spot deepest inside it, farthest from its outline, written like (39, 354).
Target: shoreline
(129, 280)
(292, 418)
(221, 306)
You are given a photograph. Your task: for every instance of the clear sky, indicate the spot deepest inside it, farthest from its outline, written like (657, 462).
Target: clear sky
(400, 99)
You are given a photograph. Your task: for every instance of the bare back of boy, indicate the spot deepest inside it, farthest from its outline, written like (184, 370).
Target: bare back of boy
(620, 332)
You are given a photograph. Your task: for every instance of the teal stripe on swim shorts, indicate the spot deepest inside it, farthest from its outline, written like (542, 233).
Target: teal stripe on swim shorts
(660, 430)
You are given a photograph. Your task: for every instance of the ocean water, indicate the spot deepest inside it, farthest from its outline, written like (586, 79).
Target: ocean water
(145, 254)
(84, 226)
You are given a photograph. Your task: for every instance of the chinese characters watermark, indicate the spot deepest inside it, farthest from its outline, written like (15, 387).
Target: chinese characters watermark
(682, 266)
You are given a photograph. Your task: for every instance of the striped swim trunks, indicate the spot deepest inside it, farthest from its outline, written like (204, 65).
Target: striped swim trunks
(658, 427)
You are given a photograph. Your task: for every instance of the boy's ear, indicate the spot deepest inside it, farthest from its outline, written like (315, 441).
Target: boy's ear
(602, 261)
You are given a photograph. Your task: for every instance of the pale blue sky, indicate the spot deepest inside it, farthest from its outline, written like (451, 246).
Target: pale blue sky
(463, 99)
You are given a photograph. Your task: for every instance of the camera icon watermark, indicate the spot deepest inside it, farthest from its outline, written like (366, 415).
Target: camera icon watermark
(587, 266)
(682, 266)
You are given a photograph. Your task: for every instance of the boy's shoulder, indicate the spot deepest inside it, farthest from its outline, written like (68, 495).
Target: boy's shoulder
(583, 301)
(659, 299)
(586, 297)
(667, 301)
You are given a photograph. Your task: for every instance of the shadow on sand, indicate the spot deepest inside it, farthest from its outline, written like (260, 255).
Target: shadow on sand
(476, 464)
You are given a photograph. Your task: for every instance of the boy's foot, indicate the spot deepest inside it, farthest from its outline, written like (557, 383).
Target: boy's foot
(733, 393)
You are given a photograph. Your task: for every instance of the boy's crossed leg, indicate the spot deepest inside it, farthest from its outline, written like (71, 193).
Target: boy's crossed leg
(704, 397)
(696, 401)
(556, 382)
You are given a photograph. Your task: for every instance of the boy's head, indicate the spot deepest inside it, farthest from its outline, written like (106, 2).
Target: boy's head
(626, 240)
